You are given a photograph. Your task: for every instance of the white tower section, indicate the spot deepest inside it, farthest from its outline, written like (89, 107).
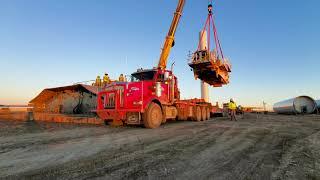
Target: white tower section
(203, 40)
(203, 46)
(204, 91)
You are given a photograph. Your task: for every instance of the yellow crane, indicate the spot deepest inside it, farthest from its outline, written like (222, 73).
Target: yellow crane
(169, 42)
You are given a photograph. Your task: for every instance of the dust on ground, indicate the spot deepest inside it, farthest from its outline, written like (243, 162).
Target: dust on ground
(256, 147)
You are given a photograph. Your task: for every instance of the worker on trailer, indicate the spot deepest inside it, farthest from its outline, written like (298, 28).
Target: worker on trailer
(122, 78)
(232, 109)
(106, 79)
(98, 81)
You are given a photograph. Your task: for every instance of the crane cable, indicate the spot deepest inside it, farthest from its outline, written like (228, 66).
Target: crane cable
(210, 21)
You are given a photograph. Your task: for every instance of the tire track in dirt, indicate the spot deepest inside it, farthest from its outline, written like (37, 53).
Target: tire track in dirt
(301, 158)
(110, 139)
(133, 153)
(271, 147)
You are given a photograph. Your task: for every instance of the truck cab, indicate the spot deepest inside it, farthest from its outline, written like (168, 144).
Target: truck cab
(150, 92)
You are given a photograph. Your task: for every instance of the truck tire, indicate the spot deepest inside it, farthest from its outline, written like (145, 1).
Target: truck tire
(197, 113)
(182, 115)
(203, 113)
(208, 113)
(153, 117)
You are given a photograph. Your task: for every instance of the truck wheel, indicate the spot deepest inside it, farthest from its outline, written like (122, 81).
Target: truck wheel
(203, 113)
(197, 113)
(152, 117)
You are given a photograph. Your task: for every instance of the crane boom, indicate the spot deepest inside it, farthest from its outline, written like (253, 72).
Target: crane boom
(169, 43)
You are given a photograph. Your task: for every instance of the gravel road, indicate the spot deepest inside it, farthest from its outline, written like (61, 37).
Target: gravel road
(256, 147)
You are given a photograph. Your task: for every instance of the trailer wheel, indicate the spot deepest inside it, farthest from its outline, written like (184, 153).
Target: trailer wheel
(197, 113)
(203, 113)
(153, 117)
(182, 114)
(208, 113)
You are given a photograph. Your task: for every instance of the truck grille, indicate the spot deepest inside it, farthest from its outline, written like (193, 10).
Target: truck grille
(110, 102)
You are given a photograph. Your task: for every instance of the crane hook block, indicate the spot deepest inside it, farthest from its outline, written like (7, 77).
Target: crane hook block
(210, 8)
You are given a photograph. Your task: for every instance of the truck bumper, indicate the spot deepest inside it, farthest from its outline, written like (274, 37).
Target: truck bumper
(127, 116)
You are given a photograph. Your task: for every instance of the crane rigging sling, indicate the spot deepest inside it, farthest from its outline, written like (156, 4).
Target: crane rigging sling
(209, 65)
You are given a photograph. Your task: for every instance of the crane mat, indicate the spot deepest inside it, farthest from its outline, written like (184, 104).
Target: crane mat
(215, 72)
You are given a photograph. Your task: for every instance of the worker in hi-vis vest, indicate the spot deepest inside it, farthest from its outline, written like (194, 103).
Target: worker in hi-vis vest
(98, 82)
(122, 78)
(232, 108)
(106, 79)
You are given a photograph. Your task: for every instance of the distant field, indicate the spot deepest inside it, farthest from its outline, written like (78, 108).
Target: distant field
(13, 109)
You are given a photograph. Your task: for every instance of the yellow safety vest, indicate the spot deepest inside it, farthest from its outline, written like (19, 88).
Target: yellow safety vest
(232, 106)
(121, 78)
(106, 79)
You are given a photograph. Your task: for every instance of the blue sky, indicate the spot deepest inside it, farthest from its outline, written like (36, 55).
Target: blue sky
(274, 46)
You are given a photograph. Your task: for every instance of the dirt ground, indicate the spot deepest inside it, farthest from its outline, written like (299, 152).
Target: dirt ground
(256, 147)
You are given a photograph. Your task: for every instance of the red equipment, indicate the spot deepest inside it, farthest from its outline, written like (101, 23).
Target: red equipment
(152, 97)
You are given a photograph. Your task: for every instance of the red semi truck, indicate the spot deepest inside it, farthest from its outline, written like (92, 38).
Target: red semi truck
(152, 96)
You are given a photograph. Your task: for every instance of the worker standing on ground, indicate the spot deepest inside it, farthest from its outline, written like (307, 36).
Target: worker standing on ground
(121, 78)
(232, 108)
(106, 79)
(240, 111)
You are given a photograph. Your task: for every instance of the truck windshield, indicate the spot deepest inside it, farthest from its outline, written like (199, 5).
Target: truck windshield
(142, 76)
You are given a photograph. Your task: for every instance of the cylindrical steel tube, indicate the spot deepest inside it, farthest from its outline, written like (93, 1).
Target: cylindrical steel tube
(298, 105)
(318, 103)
